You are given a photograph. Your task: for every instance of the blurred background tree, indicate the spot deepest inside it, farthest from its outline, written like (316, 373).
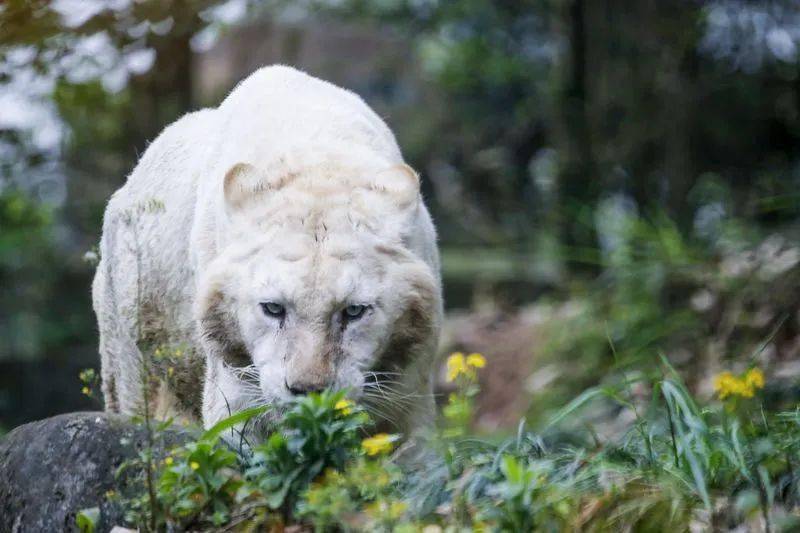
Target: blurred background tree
(613, 154)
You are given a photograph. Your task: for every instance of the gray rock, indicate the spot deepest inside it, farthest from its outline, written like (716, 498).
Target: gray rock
(52, 469)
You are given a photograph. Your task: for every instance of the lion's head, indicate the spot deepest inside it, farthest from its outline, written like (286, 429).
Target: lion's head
(315, 286)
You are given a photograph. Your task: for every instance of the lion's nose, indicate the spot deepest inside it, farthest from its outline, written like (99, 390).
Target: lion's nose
(300, 388)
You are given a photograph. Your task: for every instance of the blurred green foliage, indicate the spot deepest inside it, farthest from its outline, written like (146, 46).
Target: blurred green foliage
(546, 108)
(31, 322)
(705, 305)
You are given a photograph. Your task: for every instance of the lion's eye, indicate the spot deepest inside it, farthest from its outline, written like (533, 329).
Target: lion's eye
(273, 309)
(354, 312)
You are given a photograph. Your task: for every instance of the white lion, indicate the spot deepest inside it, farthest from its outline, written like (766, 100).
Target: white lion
(269, 247)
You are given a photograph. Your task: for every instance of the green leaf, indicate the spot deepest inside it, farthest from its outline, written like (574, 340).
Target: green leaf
(227, 423)
(584, 398)
(86, 519)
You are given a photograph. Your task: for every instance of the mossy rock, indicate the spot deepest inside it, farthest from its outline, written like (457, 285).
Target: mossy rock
(52, 469)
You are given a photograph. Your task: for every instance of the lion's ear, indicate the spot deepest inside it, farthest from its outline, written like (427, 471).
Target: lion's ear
(401, 183)
(240, 184)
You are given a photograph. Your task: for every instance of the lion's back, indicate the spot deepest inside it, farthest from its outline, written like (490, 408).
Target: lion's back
(154, 211)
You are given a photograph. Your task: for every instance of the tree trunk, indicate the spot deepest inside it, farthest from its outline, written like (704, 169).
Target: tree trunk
(578, 181)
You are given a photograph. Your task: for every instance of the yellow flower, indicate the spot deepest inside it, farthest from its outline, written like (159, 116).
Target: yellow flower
(476, 360)
(380, 443)
(386, 510)
(86, 391)
(331, 476)
(456, 365)
(170, 371)
(396, 509)
(726, 384)
(373, 509)
(194, 465)
(382, 479)
(168, 461)
(344, 406)
(754, 378)
(480, 527)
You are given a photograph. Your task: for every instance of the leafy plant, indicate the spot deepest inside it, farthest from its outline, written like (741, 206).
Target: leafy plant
(86, 519)
(200, 476)
(317, 432)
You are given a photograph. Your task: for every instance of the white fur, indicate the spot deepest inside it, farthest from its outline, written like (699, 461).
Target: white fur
(317, 211)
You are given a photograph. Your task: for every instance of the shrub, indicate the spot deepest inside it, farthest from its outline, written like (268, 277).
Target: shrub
(681, 464)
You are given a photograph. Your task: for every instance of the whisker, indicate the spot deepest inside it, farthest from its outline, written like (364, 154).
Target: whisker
(383, 415)
(394, 387)
(382, 373)
(388, 394)
(394, 404)
(402, 405)
(385, 397)
(397, 394)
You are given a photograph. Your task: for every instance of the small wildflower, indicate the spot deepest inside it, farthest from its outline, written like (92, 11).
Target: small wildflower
(331, 476)
(476, 360)
(391, 510)
(86, 391)
(345, 407)
(194, 465)
(110, 494)
(480, 527)
(378, 444)
(373, 509)
(396, 509)
(170, 371)
(382, 479)
(459, 365)
(168, 460)
(726, 384)
(754, 378)
(456, 365)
